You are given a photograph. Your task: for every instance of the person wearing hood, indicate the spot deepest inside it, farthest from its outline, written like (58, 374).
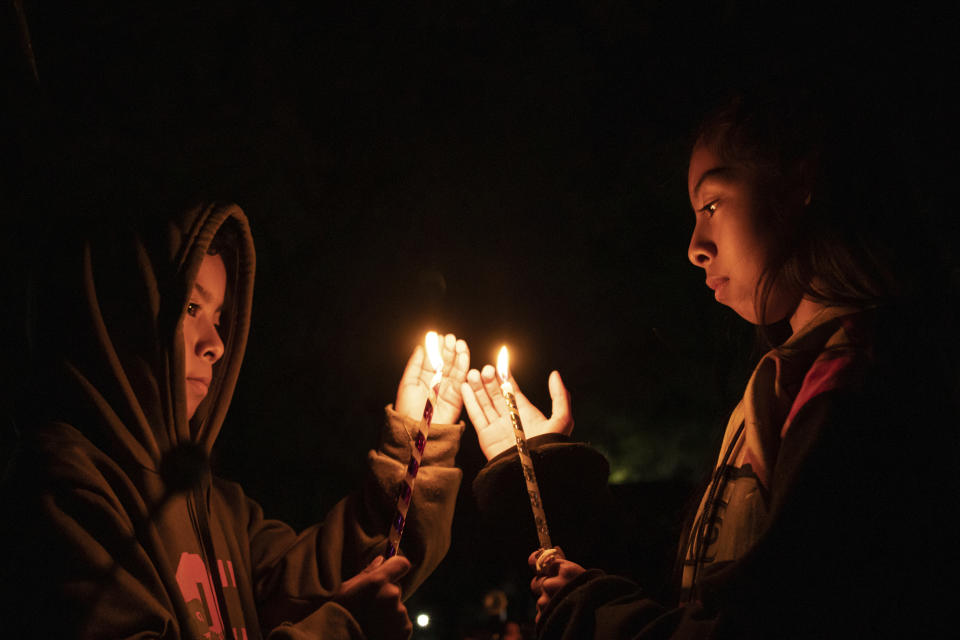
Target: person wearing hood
(115, 526)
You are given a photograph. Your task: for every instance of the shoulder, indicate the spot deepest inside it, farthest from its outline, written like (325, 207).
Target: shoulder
(228, 490)
(841, 366)
(57, 457)
(230, 500)
(60, 486)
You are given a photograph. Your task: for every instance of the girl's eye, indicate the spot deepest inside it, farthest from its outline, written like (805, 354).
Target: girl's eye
(192, 309)
(710, 208)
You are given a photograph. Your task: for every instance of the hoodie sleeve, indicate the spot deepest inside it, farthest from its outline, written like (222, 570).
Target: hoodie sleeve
(295, 576)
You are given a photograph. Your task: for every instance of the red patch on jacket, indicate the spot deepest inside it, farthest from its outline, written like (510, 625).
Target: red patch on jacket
(826, 374)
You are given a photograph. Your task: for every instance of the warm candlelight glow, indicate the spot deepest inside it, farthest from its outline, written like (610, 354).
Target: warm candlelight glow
(433, 354)
(503, 364)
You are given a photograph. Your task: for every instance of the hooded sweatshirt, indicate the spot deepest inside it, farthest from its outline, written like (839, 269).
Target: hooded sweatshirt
(114, 525)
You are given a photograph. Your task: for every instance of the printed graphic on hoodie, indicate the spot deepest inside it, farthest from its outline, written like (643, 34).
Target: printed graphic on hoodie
(197, 588)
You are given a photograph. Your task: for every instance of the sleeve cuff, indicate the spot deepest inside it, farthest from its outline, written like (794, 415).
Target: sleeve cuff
(533, 444)
(443, 440)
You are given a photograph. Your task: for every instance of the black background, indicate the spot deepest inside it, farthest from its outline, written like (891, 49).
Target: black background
(512, 172)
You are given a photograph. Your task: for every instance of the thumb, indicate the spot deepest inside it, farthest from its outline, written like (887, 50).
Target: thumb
(394, 568)
(411, 372)
(376, 562)
(560, 400)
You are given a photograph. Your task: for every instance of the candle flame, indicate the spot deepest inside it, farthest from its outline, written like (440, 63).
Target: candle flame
(503, 364)
(433, 354)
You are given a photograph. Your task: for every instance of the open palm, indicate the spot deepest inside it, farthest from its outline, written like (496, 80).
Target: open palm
(415, 382)
(488, 411)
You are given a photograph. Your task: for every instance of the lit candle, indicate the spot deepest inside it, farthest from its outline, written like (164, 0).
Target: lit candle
(548, 553)
(405, 493)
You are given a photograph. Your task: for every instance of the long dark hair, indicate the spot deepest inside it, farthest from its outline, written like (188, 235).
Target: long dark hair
(831, 233)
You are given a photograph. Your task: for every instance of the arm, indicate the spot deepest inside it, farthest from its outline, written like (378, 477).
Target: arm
(294, 574)
(845, 551)
(833, 531)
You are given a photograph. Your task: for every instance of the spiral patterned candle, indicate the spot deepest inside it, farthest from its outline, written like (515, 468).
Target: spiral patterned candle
(405, 490)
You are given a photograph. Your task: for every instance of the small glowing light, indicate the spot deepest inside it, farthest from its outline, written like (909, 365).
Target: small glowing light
(423, 620)
(503, 364)
(433, 354)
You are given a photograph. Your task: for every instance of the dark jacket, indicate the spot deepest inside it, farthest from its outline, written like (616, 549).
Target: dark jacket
(825, 517)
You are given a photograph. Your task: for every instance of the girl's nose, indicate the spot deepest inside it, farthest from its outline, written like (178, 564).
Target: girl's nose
(701, 250)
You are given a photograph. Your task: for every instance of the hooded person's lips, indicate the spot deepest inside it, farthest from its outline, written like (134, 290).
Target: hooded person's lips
(198, 384)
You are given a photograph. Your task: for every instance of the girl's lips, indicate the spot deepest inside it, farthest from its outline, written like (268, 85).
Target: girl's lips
(717, 284)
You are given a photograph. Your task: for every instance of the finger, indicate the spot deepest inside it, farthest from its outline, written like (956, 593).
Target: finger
(551, 585)
(448, 351)
(411, 373)
(427, 372)
(409, 396)
(560, 401)
(474, 411)
(542, 603)
(536, 585)
(481, 393)
(492, 387)
(394, 568)
(376, 562)
(532, 558)
(454, 376)
(461, 362)
(389, 591)
(407, 624)
(551, 567)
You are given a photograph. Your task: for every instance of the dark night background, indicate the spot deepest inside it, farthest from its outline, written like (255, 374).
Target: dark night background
(508, 171)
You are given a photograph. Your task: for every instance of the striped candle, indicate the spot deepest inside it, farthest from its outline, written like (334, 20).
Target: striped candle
(405, 490)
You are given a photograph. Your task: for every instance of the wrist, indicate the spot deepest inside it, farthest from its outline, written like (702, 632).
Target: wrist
(400, 432)
(533, 444)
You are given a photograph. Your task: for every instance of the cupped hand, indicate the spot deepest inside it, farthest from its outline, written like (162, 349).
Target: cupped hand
(488, 411)
(415, 382)
(373, 598)
(556, 575)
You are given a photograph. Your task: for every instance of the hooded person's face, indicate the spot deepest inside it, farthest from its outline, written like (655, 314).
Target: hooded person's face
(201, 324)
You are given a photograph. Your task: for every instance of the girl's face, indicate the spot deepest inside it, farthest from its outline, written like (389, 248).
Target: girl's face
(201, 330)
(729, 241)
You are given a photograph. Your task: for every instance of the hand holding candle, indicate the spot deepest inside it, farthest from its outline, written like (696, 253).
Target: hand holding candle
(487, 408)
(416, 382)
(428, 392)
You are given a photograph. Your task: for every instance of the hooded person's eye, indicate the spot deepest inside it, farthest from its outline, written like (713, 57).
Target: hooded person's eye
(192, 309)
(710, 208)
